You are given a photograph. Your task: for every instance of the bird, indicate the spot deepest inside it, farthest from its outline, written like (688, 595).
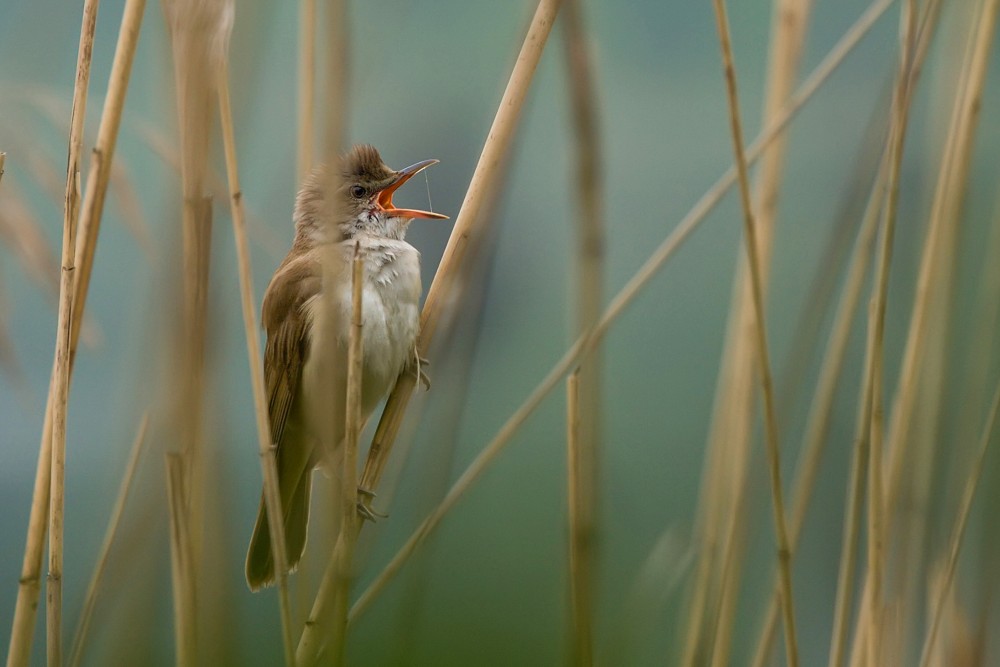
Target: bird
(341, 208)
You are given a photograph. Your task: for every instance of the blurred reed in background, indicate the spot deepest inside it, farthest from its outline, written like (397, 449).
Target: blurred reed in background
(544, 321)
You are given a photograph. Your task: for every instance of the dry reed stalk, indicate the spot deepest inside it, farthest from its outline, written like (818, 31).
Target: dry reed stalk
(466, 225)
(817, 423)
(350, 519)
(589, 268)
(763, 359)
(722, 506)
(852, 522)
(980, 355)
(59, 394)
(272, 496)
(912, 524)
(28, 586)
(262, 234)
(902, 99)
(102, 158)
(725, 477)
(307, 88)
(461, 327)
(199, 33)
(90, 599)
(942, 229)
(336, 77)
(440, 293)
(581, 528)
(181, 562)
(939, 247)
(619, 303)
(3, 159)
(971, 484)
(859, 467)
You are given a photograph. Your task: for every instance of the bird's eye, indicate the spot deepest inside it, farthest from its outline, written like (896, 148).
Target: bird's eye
(357, 191)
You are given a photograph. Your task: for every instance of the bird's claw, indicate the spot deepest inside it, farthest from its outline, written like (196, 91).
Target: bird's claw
(417, 368)
(365, 510)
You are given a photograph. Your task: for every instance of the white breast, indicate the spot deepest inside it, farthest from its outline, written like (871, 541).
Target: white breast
(390, 313)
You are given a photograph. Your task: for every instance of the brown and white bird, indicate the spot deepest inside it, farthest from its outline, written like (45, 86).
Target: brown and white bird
(333, 215)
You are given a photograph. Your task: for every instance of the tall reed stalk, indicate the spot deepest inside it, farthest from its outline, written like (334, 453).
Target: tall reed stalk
(584, 471)
(272, 496)
(343, 553)
(621, 301)
(760, 333)
(438, 296)
(91, 210)
(59, 398)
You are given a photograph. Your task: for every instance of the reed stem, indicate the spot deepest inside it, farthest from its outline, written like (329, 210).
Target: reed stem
(272, 496)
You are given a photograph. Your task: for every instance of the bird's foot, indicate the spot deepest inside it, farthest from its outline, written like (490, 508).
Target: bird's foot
(417, 366)
(365, 509)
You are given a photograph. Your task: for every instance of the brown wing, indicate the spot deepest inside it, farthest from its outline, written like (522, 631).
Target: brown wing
(285, 320)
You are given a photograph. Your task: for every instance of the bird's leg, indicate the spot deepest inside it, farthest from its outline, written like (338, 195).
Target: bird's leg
(416, 366)
(365, 509)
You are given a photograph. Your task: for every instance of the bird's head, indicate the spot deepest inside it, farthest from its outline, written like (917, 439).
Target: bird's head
(362, 187)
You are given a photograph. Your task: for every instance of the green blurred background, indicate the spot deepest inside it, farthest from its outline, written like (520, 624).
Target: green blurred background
(425, 80)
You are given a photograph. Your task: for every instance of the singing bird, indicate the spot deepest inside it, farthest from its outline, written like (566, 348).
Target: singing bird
(333, 214)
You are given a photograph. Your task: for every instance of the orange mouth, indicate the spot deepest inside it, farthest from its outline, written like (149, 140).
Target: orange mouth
(384, 199)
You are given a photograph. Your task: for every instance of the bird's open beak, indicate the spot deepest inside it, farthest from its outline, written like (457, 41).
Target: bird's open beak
(385, 196)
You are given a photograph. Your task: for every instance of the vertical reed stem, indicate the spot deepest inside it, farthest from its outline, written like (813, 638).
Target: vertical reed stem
(307, 86)
(272, 496)
(763, 360)
(971, 484)
(350, 522)
(181, 562)
(621, 301)
(585, 391)
(580, 532)
(61, 364)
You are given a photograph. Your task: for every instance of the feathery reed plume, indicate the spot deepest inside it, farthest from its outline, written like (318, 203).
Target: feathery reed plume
(971, 484)
(763, 359)
(618, 305)
(59, 396)
(584, 479)
(272, 496)
(90, 215)
(90, 599)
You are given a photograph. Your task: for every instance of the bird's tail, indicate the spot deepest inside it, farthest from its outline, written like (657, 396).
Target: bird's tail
(260, 562)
